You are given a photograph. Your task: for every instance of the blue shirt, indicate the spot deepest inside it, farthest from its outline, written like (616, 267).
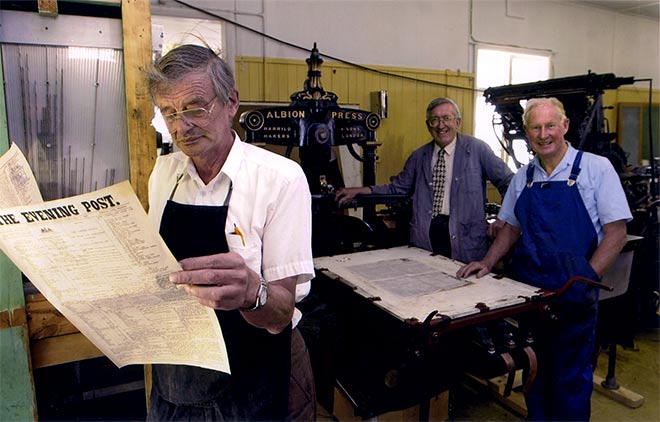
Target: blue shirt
(598, 184)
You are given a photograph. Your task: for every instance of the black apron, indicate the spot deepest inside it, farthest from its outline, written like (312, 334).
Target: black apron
(258, 386)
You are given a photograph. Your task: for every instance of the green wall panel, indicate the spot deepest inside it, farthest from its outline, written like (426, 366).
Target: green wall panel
(16, 391)
(17, 399)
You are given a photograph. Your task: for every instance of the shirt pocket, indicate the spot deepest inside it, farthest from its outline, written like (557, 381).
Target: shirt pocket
(249, 247)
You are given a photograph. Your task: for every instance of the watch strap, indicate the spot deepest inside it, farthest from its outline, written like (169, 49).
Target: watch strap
(262, 291)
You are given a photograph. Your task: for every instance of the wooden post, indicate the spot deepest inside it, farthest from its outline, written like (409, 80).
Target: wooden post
(136, 28)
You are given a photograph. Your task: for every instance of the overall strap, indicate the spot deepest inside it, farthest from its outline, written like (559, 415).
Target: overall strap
(575, 171)
(176, 185)
(530, 175)
(228, 197)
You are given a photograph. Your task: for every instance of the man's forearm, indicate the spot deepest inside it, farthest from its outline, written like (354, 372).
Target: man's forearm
(614, 239)
(506, 237)
(278, 311)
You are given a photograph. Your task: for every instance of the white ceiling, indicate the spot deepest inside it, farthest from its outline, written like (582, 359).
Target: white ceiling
(646, 8)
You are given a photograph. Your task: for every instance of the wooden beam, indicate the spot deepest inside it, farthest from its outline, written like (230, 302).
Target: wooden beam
(44, 320)
(13, 318)
(62, 349)
(136, 28)
(621, 394)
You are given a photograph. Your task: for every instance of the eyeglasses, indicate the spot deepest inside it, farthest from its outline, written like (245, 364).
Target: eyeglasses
(435, 120)
(193, 114)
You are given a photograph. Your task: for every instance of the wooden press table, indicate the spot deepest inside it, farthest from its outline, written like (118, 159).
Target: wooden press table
(399, 323)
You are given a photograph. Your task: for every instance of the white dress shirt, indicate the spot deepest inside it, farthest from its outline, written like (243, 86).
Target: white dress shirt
(270, 204)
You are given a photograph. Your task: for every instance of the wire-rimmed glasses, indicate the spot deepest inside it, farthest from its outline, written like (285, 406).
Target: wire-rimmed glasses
(435, 120)
(192, 114)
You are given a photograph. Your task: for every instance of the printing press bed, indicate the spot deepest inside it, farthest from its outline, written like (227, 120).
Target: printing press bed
(392, 328)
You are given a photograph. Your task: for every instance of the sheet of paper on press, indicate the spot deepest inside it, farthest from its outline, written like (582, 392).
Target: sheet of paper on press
(97, 258)
(411, 283)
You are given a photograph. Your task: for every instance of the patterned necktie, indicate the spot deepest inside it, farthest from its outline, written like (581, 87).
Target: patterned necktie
(439, 182)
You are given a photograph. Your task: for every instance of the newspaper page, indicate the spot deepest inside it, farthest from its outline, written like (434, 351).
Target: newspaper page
(410, 282)
(101, 263)
(17, 183)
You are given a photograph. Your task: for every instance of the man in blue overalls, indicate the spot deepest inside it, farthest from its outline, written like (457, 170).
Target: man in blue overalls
(567, 212)
(238, 219)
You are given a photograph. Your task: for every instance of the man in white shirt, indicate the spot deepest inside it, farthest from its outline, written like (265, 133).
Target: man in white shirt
(238, 218)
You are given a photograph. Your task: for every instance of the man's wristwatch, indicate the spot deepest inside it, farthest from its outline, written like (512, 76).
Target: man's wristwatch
(261, 299)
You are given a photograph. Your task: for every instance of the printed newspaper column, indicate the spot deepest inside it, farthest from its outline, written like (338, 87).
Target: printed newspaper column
(101, 263)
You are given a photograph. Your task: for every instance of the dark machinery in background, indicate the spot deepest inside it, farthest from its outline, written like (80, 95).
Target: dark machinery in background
(582, 97)
(316, 124)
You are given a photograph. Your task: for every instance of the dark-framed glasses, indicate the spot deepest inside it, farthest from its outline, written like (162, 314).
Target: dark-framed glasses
(435, 120)
(191, 114)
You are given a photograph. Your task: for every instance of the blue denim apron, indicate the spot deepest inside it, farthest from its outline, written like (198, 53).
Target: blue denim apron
(258, 387)
(558, 239)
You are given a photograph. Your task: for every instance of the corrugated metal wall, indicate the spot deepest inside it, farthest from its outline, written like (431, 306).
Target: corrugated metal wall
(66, 111)
(404, 130)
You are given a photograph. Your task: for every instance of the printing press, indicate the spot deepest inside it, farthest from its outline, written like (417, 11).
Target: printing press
(315, 124)
(388, 325)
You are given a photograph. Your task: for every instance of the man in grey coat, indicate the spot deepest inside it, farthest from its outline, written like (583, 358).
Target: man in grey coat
(446, 179)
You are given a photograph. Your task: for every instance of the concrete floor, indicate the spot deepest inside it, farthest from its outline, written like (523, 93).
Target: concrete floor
(637, 370)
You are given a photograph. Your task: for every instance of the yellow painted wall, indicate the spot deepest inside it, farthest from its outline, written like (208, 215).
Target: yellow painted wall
(624, 94)
(274, 80)
(637, 98)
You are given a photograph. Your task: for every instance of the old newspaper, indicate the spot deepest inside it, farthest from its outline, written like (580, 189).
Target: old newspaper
(101, 263)
(17, 184)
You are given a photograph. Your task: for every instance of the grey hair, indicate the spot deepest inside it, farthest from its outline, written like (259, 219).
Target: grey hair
(534, 102)
(189, 58)
(439, 101)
